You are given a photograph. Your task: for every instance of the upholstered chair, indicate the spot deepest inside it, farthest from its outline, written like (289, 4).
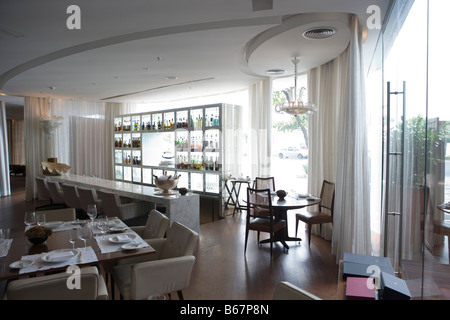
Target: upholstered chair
(165, 271)
(54, 287)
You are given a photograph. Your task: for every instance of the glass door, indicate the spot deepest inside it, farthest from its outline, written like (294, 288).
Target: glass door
(413, 226)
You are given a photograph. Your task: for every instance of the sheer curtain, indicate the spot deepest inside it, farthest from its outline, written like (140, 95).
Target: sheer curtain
(352, 231)
(326, 90)
(17, 147)
(83, 141)
(260, 95)
(338, 146)
(5, 189)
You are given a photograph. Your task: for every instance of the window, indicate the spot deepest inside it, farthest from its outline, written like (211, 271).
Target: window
(289, 141)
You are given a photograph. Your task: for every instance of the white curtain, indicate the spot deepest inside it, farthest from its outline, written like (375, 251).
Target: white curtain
(326, 88)
(17, 147)
(5, 189)
(260, 103)
(352, 231)
(83, 141)
(338, 146)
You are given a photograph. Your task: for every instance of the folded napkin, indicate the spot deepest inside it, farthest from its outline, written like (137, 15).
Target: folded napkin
(61, 254)
(122, 237)
(4, 247)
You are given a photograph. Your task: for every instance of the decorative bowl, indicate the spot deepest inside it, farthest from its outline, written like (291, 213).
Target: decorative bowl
(281, 194)
(38, 234)
(166, 183)
(182, 191)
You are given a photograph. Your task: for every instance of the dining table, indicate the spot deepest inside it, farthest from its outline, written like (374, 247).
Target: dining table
(281, 206)
(21, 258)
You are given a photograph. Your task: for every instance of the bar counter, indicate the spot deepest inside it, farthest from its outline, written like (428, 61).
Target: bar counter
(184, 209)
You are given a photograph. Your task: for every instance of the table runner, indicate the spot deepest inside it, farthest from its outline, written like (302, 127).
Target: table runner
(87, 256)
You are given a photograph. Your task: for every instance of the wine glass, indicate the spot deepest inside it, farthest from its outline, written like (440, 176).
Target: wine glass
(92, 211)
(40, 218)
(84, 234)
(73, 236)
(30, 218)
(103, 225)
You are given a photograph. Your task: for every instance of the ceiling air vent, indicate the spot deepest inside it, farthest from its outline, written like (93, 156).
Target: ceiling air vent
(319, 33)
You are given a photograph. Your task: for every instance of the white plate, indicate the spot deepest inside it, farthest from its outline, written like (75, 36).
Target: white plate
(117, 229)
(131, 246)
(60, 255)
(123, 238)
(54, 224)
(21, 264)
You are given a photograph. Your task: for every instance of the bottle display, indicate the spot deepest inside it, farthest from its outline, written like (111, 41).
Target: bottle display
(195, 145)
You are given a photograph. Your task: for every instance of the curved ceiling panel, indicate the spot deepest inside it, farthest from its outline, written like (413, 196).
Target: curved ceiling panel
(275, 48)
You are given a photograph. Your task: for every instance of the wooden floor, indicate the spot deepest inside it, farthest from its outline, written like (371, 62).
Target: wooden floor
(222, 271)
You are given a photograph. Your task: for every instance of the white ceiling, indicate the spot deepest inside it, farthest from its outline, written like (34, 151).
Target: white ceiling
(125, 51)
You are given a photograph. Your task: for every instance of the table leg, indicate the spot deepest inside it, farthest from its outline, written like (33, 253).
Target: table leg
(230, 197)
(281, 236)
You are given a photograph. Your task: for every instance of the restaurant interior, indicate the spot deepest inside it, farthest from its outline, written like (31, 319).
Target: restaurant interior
(224, 150)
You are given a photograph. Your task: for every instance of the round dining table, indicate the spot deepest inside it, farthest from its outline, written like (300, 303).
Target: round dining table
(281, 207)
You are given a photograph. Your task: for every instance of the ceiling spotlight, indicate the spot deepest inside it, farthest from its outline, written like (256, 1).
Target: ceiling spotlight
(52, 88)
(319, 33)
(171, 78)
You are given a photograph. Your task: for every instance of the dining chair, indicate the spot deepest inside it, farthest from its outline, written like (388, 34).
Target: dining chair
(71, 197)
(112, 206)
(167, 270)
(264, 183)
(56, 193)
(287, 291)
(54, 287)
(87, 197)
(65, 214)
(265, 222)
(43, 193)
(155, 227)
(325, 213)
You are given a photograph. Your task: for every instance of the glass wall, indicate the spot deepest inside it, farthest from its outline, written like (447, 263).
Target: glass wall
(410, 67)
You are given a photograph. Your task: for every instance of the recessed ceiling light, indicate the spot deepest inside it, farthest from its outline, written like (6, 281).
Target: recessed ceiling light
(275, 71)
(171, 78)
(319, 33)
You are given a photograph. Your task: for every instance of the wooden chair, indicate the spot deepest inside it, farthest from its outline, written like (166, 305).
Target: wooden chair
(261, 223)
(264, 183)
(319, 217)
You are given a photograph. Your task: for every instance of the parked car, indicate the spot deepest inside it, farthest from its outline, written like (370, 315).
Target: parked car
(293, 152)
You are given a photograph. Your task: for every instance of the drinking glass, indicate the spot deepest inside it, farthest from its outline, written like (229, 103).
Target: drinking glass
(103, 225)
(84, 234)
(40, 218)
(30, 218)
(92, 211)
(73, 236)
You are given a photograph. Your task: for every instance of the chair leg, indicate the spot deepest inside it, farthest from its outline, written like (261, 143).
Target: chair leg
(309, 235)
(180, 295)
(246, 239)
(296, 226)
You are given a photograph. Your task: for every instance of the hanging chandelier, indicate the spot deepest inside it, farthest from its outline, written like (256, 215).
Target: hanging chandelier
(295, 105)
